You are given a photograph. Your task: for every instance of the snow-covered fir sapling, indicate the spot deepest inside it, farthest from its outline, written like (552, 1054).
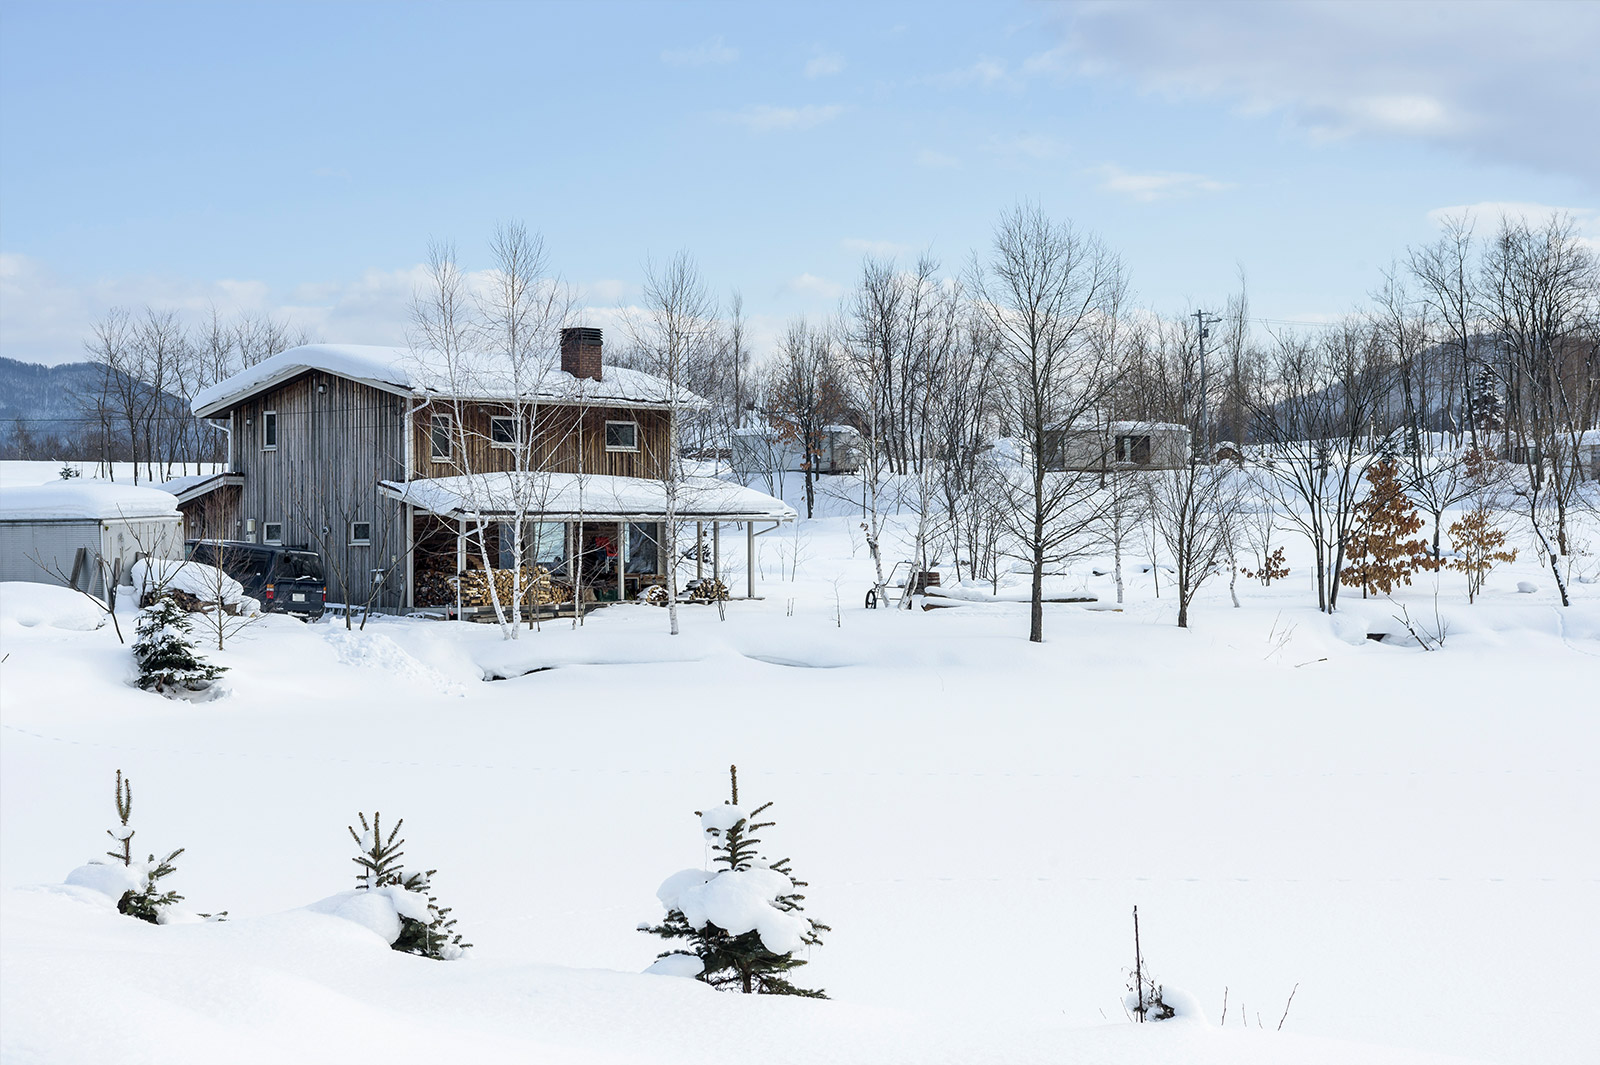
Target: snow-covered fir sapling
(165, 654)
(147, 902)
(741, 924)
(381, 868)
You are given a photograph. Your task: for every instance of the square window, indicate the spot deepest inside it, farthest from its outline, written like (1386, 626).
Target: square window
(622, 436)
(360, 533)
(502, 431)
(439, 437)
(269, 430)
(272, 532)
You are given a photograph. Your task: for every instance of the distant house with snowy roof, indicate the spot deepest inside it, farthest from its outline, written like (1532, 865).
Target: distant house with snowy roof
(765, 449)
(410, 469)
(84, 533)
(1117, 445)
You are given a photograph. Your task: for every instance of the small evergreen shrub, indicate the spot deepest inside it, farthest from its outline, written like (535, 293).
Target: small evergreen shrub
(165, 654)
(741, 958)
(380, 867)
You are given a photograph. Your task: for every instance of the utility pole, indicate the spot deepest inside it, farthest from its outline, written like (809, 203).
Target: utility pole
(1203, 322)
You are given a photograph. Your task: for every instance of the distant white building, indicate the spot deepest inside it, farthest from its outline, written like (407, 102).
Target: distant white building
(764, 450)
(85, 532)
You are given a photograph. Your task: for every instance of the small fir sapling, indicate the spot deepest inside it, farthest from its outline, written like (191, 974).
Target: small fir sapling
(165, 654)
(381, 867)
(148, 902)
(740, 961)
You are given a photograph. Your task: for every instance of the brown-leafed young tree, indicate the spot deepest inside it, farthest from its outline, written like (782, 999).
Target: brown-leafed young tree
(1052, 296)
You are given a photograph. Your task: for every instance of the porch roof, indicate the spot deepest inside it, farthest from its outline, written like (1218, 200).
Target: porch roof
(570, 497)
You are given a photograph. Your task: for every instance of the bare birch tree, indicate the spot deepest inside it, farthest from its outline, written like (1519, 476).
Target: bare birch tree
(1052, 296)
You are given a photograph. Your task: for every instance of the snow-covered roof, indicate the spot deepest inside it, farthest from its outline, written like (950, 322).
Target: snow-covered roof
(196, 485)
(568, 496)
(402, 370)
(1084, 426)
(85, 501)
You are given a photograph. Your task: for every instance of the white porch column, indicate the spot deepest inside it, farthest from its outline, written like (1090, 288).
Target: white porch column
(750, 559)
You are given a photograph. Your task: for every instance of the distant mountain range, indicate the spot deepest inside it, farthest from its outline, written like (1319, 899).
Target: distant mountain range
(54, 401)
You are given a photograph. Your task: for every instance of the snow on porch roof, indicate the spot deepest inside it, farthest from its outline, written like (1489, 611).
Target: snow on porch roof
(568, 497)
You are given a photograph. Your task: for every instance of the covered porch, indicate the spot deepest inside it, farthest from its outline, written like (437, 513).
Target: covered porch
(600, 538)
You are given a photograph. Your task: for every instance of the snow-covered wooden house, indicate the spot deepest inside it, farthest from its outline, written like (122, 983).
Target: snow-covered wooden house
(85, 533)
(405, 470)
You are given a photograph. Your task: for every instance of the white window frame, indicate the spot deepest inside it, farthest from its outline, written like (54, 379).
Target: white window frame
(504, 444)
(607, 436)
(266, 532)
(269, 417)
(360, 541)
(449, 435)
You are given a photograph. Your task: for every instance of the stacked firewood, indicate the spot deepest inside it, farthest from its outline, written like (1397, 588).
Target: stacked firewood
(435, 587)
(706, 590)
(538, 588)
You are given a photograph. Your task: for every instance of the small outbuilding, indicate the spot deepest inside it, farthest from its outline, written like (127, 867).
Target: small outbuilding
(1121, 445)
(85, 533)
(838, 450)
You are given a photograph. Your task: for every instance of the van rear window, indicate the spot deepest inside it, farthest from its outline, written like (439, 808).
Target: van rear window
(299, 565)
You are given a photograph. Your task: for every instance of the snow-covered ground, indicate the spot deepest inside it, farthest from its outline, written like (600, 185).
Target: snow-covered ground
(1407, 837)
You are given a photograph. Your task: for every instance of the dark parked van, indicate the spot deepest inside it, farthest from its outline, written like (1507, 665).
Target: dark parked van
(287, 580)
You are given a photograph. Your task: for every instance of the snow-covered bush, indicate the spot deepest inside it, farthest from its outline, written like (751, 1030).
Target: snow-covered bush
(395, 904)
(743, 923)
(166, 657)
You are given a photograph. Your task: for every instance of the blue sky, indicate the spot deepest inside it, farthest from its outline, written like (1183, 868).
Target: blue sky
(297, 159)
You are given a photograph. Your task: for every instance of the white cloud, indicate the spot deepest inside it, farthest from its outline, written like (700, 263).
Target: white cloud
(986, 72)
(882, 249)
(1160, 185)
(936, 160)
(764, 118)
(608, 291)
(825, 65)
(1505, 82)
(45, 317)
(812, 285)
(1038, 146)
(1487, 216)
(713, 52)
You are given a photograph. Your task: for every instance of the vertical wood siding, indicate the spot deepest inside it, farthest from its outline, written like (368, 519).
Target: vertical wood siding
(563, 436)
(336, 440)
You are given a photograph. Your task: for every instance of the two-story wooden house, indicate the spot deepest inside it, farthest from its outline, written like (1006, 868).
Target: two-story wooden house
(404, 469)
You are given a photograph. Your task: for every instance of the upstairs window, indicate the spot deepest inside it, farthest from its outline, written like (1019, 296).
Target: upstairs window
(622, 436)
(269, 430)
(502, 430)
(439, 437)
(360, 533)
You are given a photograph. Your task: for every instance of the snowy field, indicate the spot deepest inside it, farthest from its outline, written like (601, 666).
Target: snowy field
(1408, 838)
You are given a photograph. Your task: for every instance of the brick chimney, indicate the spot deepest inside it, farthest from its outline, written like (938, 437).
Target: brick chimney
(580, 352)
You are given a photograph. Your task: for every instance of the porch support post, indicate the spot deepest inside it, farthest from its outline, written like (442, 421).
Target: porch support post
(408, 597)
(622, 559)
(750, 560)
(461, 560)
(716, 550)
(699, 549)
